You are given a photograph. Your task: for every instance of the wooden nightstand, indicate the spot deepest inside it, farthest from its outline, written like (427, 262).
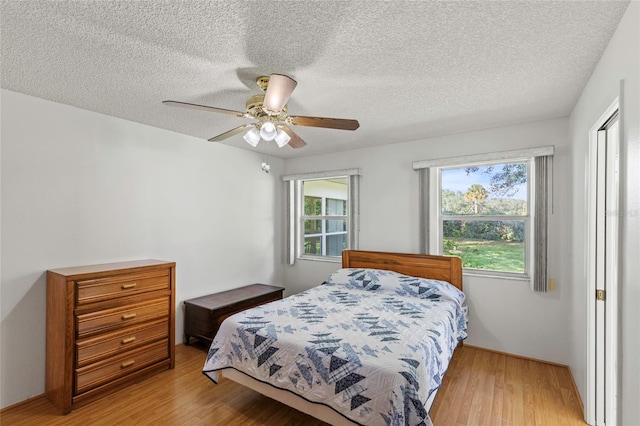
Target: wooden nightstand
(203, 315)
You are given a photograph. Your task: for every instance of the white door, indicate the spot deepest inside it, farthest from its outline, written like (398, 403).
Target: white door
(603, 276)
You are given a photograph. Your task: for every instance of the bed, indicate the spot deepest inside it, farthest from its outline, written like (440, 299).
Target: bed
(369, 346)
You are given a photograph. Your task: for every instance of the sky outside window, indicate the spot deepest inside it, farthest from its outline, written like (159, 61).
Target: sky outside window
(457, 180)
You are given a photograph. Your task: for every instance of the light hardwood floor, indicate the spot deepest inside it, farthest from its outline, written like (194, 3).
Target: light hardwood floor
(480, 388)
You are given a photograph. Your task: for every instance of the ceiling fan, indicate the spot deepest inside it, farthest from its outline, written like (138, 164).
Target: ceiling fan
(270, 111)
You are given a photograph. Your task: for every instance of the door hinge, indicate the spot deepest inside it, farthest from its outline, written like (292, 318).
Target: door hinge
(601, 295)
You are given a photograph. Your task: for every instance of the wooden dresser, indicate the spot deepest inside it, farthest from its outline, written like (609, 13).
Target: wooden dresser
(107, 326)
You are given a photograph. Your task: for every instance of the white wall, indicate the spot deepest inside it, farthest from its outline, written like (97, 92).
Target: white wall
(620, 63)
(505, 314)
(82, 188)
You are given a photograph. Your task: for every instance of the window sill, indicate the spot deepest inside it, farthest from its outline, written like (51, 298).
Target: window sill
(330, 259)
(491, 275)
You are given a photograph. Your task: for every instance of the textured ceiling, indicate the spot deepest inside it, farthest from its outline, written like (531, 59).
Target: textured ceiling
(405, 70)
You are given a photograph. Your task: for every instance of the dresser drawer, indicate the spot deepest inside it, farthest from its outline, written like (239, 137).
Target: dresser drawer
(108, 288)
(105, 371)
(105, 345)
(123, 316)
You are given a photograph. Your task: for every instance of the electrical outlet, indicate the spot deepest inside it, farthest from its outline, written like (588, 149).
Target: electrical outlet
(552, 284)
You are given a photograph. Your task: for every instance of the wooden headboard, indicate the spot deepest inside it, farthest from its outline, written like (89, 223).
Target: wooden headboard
(444, 268)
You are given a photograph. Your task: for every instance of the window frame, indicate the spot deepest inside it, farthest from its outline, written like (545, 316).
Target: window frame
(324, 218)
(436, 218)
(294, 209)
(541, 202)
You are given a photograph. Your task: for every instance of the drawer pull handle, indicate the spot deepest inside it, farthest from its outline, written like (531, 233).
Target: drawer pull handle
(128, 316)
(127, 363)
(128, 285)
(128, 340)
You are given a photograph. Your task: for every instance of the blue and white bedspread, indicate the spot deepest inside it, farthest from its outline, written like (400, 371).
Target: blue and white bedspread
(372, 345)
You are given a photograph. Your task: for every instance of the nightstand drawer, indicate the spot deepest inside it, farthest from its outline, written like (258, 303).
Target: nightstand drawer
(112, 319)
(106, 371)
(96, 348)
(108, 288)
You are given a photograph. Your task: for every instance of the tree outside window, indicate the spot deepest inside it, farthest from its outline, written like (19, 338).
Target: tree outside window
(484, 215)
(325, 216)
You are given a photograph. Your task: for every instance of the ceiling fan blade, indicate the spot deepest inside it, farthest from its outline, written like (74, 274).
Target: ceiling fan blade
(295, 141)
(279, 89)
(231, 132)
(206, 108)
(329, 123)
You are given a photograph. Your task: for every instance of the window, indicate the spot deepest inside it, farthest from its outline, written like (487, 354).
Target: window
(322, 214)
(484, 215)
(489, 209)
(325, 216)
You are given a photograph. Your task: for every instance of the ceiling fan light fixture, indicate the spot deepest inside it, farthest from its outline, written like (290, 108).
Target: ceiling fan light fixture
(279, 89)
(268, 131)
(282, 138)
(252, 137)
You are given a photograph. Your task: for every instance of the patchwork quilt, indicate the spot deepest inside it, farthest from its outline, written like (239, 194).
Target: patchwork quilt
(373, 345)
